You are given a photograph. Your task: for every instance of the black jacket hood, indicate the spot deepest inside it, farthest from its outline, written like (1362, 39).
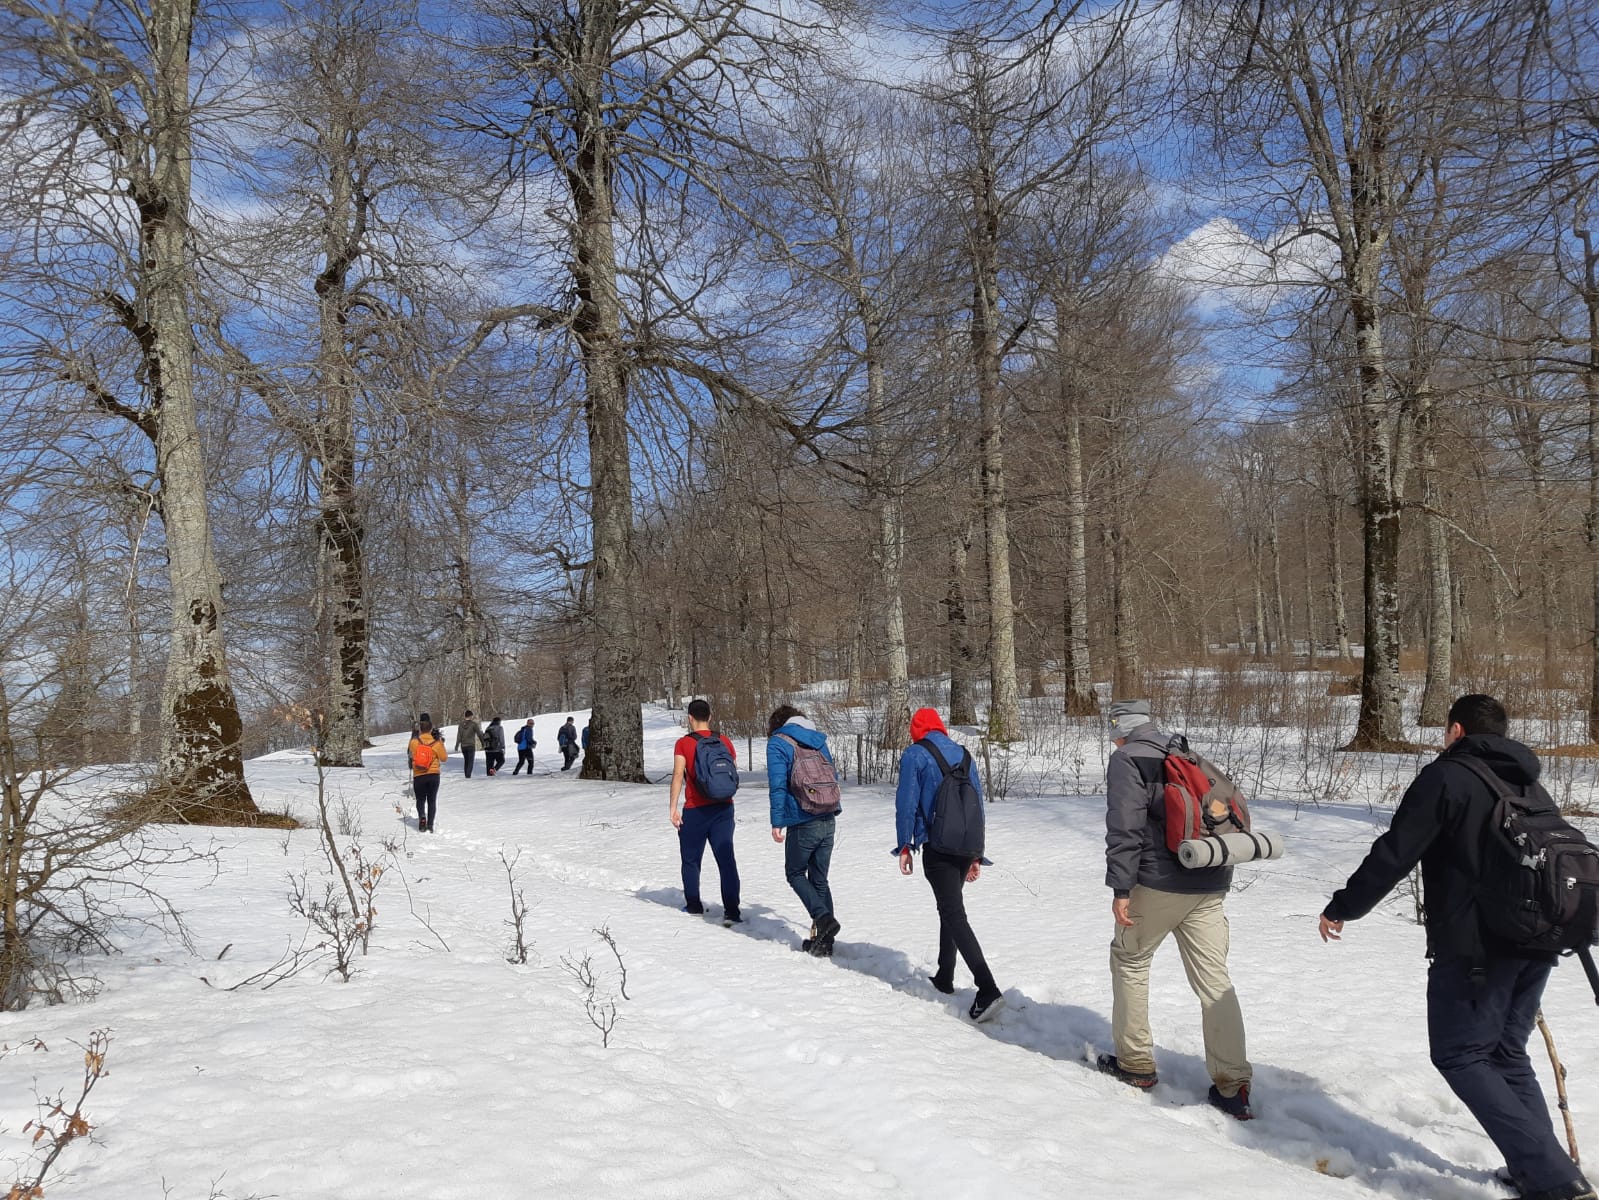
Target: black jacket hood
(1513, 762)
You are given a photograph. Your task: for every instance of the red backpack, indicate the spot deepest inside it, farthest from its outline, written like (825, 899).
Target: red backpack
(1200, 800)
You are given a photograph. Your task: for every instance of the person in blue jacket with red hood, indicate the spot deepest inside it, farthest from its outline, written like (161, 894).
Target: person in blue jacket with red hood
(809, 833)
(919, 779)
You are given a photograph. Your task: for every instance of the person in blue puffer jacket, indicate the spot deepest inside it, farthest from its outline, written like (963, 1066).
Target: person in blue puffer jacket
(948, 874)
(809, 833)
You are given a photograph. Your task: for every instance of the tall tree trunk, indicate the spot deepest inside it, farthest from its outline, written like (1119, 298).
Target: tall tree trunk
(1590, 385)
(1335, 578)
(1379, 725)
(1262, 647)
(1284, 643)
(1080, 700)
(202, 767)
(897, 712)
(962, 657)
(1125, 675)
(474, 664)
(616, 728)
(1004, 708)
(1310, 590)
(1436, 694)
(341, 569)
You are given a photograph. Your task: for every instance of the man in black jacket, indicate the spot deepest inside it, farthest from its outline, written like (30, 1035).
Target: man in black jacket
(1482, 996)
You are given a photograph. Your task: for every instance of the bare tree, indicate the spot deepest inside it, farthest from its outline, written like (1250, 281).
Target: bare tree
(113, 88)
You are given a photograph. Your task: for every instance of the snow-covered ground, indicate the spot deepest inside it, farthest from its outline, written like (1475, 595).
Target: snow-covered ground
(738, 1067)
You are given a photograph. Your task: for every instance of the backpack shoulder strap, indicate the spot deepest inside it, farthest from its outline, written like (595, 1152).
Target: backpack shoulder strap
(927, 745)
(787, 739)
(1500, 789)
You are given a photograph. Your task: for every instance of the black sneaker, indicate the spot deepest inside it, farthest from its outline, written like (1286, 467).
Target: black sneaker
(940, 986)
(985, 1008)
(733, 918)
(1237, 1106)
(695, 907)
(1106, 1064)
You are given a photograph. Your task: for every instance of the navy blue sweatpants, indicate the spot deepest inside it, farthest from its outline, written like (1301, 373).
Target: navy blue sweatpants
(711, 823)
(1477, 1028)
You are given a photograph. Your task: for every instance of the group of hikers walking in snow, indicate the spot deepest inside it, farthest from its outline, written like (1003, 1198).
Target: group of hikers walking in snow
(1487, 837)
(426, 753)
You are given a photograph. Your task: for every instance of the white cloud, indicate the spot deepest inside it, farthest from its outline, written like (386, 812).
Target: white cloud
(1227, 267)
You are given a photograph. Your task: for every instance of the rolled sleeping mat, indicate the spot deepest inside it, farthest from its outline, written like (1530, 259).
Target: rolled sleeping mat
(1228, 849)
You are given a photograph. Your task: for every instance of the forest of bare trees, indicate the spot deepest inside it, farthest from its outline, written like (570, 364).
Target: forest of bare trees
(371, 356)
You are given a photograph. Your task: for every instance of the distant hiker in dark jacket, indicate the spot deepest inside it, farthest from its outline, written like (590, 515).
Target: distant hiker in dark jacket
(566, 739)
(809, 834)
(494, 746)
(919, 779)
(1482, 996)
(467, 734)
(1154, 895)
(426, 755)
(524, 749)
(702, 819)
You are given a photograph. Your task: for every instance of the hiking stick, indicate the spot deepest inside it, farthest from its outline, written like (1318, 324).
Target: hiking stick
(1560, 1086)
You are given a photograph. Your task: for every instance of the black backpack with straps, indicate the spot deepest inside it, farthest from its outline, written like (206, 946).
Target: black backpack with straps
(1538, 888)
(957, 825)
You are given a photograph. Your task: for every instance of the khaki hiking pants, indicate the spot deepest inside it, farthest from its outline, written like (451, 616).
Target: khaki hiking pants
(1200, 927)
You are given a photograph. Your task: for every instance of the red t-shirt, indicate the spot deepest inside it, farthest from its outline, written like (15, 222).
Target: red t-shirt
(685, 748)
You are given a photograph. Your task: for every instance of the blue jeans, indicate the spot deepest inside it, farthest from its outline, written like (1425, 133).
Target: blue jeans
(1477, 1029)
(711, 823)
(808, 849)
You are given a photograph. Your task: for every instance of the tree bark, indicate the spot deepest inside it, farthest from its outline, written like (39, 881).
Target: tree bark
(1080, 700)
(202, 768)
(616, 728)
(1004, 709)
(1590, 386)
(1378, 726)
(1436, 694)
(1335, 579)
(341, 567)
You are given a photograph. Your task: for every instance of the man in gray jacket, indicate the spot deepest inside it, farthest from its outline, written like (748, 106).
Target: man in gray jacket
(467, 734)
(1155, 895)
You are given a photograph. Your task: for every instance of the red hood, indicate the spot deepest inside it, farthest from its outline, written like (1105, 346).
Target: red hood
(925, 721)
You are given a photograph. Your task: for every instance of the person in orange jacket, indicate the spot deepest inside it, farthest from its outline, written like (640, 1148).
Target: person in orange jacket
(427, 755)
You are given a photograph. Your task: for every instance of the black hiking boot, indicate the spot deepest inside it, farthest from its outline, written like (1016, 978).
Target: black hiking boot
(985, 1008)
(939, 985)
(730, 919)
(1236, 1107)
(1106, 1064)
(827, 928)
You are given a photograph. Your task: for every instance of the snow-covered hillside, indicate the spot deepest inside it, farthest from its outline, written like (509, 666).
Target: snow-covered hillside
(738, 1067)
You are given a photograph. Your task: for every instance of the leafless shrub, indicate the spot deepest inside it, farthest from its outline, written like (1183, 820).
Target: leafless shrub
(600, 1008)
(604, 932)
(516, 951)
(331, 916)
(56, 1127)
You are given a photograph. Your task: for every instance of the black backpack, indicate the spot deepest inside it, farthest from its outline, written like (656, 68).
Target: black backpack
(957, 826)
(1539, 883)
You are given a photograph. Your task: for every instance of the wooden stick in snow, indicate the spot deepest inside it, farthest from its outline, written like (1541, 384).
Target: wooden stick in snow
(1560, 1086)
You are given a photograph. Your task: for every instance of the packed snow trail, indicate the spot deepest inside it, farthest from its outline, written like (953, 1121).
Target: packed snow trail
(738, 1067)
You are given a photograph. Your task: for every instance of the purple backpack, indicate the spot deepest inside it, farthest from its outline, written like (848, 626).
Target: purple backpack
(812, 780)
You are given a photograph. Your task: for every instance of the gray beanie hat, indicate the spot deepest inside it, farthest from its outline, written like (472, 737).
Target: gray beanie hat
(1127, 715)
